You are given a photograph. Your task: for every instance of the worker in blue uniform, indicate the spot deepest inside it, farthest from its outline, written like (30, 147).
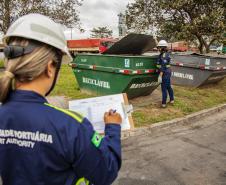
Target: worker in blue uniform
(163, 64)
(41, 144)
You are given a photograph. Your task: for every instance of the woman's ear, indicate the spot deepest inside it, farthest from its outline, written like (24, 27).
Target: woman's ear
(50, 71)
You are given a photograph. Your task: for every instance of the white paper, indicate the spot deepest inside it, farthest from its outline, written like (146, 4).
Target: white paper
(94, 109)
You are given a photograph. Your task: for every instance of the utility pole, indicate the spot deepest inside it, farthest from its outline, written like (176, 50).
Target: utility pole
(71, 33)
(122, 25)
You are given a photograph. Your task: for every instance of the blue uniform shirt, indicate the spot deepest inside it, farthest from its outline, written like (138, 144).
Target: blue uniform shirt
(43, 145)
(163, 64)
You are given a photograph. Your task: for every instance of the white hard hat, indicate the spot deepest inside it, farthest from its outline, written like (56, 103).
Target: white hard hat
(162, 43)
(40, 28)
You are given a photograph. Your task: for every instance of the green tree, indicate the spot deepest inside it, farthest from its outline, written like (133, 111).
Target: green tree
(139, 16)
(64, 12)
(192, 20)
(101, 32)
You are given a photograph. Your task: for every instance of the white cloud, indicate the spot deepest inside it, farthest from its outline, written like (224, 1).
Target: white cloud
(95, 13)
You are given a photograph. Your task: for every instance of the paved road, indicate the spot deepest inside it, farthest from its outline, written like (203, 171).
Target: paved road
(1, 55)
(194, 155)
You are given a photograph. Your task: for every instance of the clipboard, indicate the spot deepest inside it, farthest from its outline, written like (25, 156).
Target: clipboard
(94, 109)
(128, 110)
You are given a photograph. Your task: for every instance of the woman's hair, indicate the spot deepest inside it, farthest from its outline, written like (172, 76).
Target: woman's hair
(25, 68)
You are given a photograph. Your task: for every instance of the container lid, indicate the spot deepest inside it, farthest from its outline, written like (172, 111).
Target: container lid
(132, 44)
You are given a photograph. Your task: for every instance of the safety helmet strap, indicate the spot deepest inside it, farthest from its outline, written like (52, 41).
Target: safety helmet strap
(59, 57)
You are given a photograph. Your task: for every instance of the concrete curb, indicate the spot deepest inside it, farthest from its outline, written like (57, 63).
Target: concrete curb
(166, 125)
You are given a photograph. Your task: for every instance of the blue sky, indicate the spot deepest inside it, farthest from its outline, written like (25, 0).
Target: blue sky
(95, 13)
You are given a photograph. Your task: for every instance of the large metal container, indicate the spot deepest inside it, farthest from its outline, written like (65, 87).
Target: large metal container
(112, 74)
(224, 49)
(197, 70)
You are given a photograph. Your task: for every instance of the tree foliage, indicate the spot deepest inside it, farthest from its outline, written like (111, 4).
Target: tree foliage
(64, 12)
(191, 20)
(139, 16)
(101, 32)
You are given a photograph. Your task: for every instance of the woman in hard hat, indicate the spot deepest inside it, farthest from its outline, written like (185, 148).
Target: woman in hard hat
(163, 64)
(40, 143)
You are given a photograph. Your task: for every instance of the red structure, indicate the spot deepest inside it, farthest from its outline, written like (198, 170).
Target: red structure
(180, 46)
(90, 45)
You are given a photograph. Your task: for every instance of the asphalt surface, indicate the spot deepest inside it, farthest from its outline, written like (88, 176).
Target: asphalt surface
(1, 55)
(186, 155)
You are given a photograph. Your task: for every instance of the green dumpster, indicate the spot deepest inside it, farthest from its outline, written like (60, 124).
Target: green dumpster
(224, 44)
(111, 74)
(224, 49)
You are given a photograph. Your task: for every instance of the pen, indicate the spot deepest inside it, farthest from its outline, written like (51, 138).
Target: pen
(112, 111)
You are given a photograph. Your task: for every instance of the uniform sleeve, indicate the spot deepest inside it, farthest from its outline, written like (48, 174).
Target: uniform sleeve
(168, 59)
(160, 64)
(97, 158)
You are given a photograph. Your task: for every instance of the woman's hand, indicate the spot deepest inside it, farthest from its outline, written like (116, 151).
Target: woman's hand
(112, 117)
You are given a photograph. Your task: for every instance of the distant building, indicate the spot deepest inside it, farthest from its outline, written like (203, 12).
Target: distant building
(122, 25)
